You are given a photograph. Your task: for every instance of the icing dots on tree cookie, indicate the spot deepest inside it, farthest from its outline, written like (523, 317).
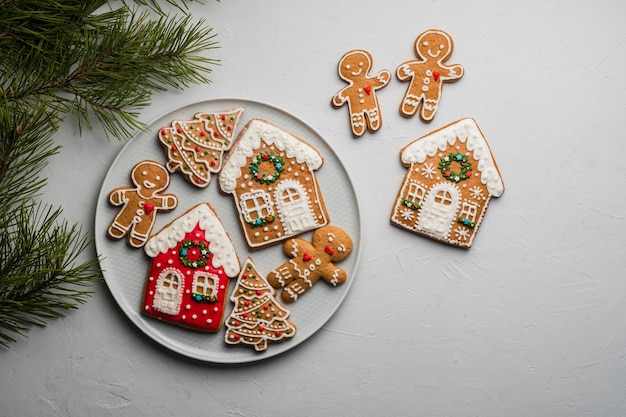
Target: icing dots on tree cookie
(310, 261)
(196, 148)
(257, 318)
(140, 203)
(427, 74)
(360, 94)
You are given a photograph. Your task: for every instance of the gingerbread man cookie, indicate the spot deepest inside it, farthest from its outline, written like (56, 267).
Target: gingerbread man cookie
(360, 94)
(311, 261)
(427, 74)
(141, 203)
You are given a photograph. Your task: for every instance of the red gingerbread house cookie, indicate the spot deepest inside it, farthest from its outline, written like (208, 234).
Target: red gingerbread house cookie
(271, 176)
(193, 260)
(196, 147)
(451, 177)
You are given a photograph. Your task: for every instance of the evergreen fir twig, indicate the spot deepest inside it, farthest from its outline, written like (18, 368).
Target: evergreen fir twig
(72, 57)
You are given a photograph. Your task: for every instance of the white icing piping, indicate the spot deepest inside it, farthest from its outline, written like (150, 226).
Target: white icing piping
(250, 141)
(465, 130)
(220, 245)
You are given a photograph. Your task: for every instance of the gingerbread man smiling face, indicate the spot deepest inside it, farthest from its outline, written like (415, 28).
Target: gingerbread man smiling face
(427, 74)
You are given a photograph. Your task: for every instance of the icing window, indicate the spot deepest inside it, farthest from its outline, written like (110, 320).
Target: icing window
(469, 211)
(290, 195)
(443, 197)
(204, 288)
(256, 205)
(415, 193)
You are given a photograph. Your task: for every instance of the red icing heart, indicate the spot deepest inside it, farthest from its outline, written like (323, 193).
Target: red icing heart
(147, 208)
(436, 75)
(329, 250)
(368, 90)
(306, 257)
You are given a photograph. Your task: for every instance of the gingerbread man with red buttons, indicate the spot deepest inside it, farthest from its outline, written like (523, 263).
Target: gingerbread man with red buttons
(360, 94)
(141, 203)
(311, 261)
(427, 74)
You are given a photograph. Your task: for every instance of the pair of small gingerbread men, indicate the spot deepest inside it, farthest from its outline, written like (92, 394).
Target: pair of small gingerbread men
(425, 75)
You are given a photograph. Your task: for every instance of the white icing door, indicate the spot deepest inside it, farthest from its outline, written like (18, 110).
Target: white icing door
(168, 292)
(439, 210)
(293, 207)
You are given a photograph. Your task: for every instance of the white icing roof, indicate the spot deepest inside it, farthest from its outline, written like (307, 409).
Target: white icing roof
(466, 131)
(220, 245)
(249, 142)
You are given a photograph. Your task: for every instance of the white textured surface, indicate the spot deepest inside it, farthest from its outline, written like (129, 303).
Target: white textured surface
(528, 322)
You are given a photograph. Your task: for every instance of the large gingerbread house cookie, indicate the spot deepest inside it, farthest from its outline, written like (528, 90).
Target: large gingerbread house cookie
(271, 175)
(451, 177)
(193, 260)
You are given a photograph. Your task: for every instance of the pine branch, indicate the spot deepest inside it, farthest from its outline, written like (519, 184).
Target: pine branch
(70, 57)
(112, 65)
(39, 275)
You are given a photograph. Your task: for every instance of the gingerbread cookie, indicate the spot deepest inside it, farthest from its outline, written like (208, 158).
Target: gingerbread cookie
(141, 203)
(193, 260)
(196, 148)
(360, 94)
(271, 175)
(311, 261)
(450, 179)
(257, 318)
(427, 74)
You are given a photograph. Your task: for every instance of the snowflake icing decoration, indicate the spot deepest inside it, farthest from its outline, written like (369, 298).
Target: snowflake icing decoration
(407, 214)
(476, 192)
(429, 171)
(461, 233)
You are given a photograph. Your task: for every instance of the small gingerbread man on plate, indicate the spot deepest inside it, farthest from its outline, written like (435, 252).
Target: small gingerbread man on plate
(311, 261)
(427, 74)
(141, 203)
(360, 94)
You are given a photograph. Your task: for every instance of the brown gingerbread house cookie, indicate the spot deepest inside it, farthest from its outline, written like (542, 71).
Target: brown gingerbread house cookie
(451, 177)
(271, 175)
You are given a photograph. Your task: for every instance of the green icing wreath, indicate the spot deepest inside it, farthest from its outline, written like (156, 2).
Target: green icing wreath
(466, 167)
(276, 160)
(203, 253)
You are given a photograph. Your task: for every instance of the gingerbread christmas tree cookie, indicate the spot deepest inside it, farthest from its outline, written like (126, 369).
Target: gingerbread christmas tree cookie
(258, 318)
(196, 148)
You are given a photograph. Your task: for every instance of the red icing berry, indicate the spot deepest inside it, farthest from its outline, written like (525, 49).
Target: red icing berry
(213, 163)
(216, 133)
(468, 174)
(202, 133)
(179, 130)
(278, 334)
(197, 149)
(261, 328)
(163, 132)
(223, 117)
(259, 292)
(174, 148)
